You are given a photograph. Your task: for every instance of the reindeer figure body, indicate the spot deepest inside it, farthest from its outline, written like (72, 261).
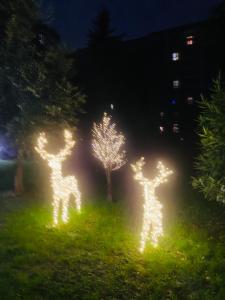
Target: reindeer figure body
(152, 219)
(63, 187)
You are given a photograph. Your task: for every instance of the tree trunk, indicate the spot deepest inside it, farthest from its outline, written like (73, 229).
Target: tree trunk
(18, 184)
(109, 185)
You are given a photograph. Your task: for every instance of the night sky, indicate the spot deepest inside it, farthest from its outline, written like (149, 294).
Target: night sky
(134, 18)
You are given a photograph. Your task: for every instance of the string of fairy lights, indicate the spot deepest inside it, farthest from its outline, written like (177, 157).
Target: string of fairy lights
(152, 220)
(62, 187)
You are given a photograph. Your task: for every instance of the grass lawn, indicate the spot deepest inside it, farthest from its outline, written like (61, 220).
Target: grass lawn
(95, 255)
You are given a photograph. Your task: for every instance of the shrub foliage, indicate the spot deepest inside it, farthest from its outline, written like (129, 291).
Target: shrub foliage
(210, 163)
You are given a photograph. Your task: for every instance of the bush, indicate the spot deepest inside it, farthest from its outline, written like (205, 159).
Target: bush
(210, 164)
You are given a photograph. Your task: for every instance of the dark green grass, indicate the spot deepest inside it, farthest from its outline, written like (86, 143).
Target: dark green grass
(95, 256)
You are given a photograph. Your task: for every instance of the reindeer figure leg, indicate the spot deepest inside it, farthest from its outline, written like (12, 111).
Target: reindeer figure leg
(146, 222)
(56, 203)
(65, 210)
(157, 229)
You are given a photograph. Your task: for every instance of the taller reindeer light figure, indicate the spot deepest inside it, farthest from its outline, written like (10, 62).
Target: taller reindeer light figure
(152, 220)
(63, 187)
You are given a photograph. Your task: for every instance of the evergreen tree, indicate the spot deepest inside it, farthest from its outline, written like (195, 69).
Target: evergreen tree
(210, 163)
(102, 34)
(35, 93)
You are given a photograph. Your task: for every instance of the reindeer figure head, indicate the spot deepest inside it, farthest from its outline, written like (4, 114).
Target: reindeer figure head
(152, 207)
(56, 160)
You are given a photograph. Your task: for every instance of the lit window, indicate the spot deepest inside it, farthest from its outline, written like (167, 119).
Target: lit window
(190, 100)
(112, 106)
(161, 129)
(176, 84)
(176, 128)
(175, 56)
(190, 40)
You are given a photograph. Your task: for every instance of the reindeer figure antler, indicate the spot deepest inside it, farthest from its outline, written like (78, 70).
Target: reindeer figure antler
(69, 144)
(163, 174)
(152, 219)
(40, 148)
(42, 141)
(137, 168)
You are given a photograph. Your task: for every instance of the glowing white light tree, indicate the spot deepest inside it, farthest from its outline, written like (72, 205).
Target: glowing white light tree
(152, 220)
(63, 187)
(107, 144)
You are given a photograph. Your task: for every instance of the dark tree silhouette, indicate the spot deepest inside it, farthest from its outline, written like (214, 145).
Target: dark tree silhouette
(102, 34)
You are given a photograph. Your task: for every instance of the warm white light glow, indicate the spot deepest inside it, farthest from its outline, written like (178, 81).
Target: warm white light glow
(152, 219)
(63, 187)
(107, 143)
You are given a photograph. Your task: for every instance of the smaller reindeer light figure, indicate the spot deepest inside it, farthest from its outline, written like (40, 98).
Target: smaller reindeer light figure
(63, 187)
(152, 219)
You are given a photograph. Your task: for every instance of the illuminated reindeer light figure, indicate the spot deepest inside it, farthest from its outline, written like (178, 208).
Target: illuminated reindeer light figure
(63, 187)
(152, 219)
